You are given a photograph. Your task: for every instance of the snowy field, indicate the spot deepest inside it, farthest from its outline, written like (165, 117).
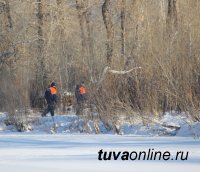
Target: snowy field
(76, 148)
(79, 153)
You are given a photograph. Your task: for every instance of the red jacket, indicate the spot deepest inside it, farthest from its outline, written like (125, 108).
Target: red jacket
(53, 90)
(82, 90)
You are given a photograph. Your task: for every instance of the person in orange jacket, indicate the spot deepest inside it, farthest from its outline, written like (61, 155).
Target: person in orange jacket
(51, 99)
(53, 91)
(80, 94)
(82, 91)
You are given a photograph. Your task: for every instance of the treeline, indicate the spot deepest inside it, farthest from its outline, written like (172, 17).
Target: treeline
(134, 55)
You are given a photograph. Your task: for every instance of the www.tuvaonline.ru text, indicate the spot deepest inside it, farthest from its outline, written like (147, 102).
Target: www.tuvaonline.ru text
(150, 154)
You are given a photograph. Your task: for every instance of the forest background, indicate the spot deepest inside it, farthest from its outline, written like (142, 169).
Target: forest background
(135, 56)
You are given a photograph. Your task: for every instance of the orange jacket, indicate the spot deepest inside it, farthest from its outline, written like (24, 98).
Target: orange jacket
(82, 90)
(53, 90)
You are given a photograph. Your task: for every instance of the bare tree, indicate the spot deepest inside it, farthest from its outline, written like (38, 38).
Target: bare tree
(40, 73)
(89, 34)
(171, 16)
(7, 49)
(107, 18)
(8, 18)
(123, 21)
(80, 6)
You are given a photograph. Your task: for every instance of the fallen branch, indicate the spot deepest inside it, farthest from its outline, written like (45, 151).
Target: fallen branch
(123, 71)
(107, 69)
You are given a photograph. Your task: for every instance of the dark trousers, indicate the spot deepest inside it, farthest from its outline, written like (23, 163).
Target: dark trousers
(81, 105)
(50, 108)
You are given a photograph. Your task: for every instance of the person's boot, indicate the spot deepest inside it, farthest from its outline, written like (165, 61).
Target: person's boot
(43, 114)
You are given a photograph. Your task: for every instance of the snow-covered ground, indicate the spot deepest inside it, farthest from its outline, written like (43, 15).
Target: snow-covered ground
(79, 153)
(171, 124)
(74, 147)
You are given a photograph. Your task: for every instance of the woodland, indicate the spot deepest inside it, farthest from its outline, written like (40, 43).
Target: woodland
(135, 56)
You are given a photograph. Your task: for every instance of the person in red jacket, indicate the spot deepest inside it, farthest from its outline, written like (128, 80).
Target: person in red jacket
(80, 93)
(53, 91)
(51, 99)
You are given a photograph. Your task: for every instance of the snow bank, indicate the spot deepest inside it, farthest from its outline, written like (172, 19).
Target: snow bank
(66, 124)
(3, 116)
(170, 124)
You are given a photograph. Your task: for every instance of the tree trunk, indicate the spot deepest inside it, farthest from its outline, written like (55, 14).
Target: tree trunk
(8, 18)
(109, 29)
(89, 36)
(86, 33)
(61, 36)
(7, 49)
(40, 74)
(80, 9)
(123, 19)
(90, 44)
(171, 16)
